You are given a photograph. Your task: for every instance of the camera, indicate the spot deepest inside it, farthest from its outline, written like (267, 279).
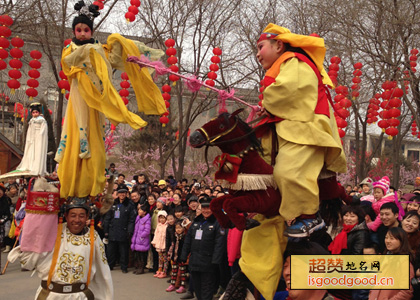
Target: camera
(415, 282)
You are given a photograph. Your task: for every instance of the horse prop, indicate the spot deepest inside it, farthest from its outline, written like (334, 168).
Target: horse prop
(252, 188)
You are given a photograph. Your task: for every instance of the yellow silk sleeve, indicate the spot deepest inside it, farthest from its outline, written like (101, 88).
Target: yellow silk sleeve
(108, 101)
(148, 95)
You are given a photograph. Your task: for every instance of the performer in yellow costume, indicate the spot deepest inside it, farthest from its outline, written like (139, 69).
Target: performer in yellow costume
(295, 101)
(88, 66)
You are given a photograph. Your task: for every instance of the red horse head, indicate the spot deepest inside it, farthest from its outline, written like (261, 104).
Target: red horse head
(227, 131)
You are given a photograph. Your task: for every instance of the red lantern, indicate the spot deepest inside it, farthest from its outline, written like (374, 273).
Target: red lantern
(64, 86)
(210, 82)
(13, 84)
(166, 96)
(215, 59)
(166, 88)
(5, 20)
(164, 120)
(4, 43)
(130, 17)
(125, 100)
(135, 2)
(133, 9)
(33, 83)
(15, 74)
(217, 51)
(35, 64)
(34, 73)
(171, 51)
(169, 43)
(31, 93)
(172, 59)
(124, 93)
(35, 54)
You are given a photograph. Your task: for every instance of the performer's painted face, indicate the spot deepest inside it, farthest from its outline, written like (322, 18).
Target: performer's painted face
(82, 32)
(269, 51)
(35, 113)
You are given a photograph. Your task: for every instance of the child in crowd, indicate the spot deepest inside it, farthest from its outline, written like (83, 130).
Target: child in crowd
(140, 242)
(414, 204)
(381, 195)
(174, 253)
(159, 242)
(179, 212)
(169, 238)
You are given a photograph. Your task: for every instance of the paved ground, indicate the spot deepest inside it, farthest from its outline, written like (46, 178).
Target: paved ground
(15, 284)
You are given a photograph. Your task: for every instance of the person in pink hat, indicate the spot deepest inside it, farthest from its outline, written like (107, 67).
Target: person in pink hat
(381, 195)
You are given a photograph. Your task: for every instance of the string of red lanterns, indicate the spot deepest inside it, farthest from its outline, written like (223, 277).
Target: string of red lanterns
(214, 67)
(373, 107)
(172, 59)
(5, 32)
(125, 85)
(413, 59)
(393, 111)
(356, 80)
(133, 10)
(166, 89)
(15, 63)
(334, 68)
(342, 103)
(34, 74)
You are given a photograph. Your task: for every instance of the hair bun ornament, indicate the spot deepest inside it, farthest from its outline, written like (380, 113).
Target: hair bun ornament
(91, 11)
(94, 9)
(78, 6)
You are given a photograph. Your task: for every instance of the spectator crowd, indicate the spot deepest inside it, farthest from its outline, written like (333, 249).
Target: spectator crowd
(166, 227)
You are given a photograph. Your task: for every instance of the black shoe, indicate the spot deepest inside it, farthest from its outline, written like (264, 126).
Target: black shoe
(125, 271)
(188, 295)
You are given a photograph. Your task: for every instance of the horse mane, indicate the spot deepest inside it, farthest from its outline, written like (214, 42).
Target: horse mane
(254, 141)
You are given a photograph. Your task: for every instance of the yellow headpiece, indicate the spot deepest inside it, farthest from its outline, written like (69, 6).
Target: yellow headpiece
(313, 46)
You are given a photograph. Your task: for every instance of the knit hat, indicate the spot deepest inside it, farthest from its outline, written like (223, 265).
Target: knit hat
(382, 184)
(368, 181)
(162, 213)
(162, 200)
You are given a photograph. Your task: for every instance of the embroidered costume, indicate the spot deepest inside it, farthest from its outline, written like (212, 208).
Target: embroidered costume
(71, 268)
(35, 155)
(81, 152)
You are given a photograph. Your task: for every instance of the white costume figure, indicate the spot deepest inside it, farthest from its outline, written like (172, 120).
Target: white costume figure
(71, 268)
(35, 155)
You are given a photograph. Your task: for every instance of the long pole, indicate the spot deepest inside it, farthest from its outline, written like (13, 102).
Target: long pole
(7, 263)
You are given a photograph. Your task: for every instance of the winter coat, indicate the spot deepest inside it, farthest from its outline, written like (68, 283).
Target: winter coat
(175, 250)
(170, 236)
(394, 294)
(377, 207)
(208, 250)
(357, 239)
(141, 237)
(159, 240)
(120, 229)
